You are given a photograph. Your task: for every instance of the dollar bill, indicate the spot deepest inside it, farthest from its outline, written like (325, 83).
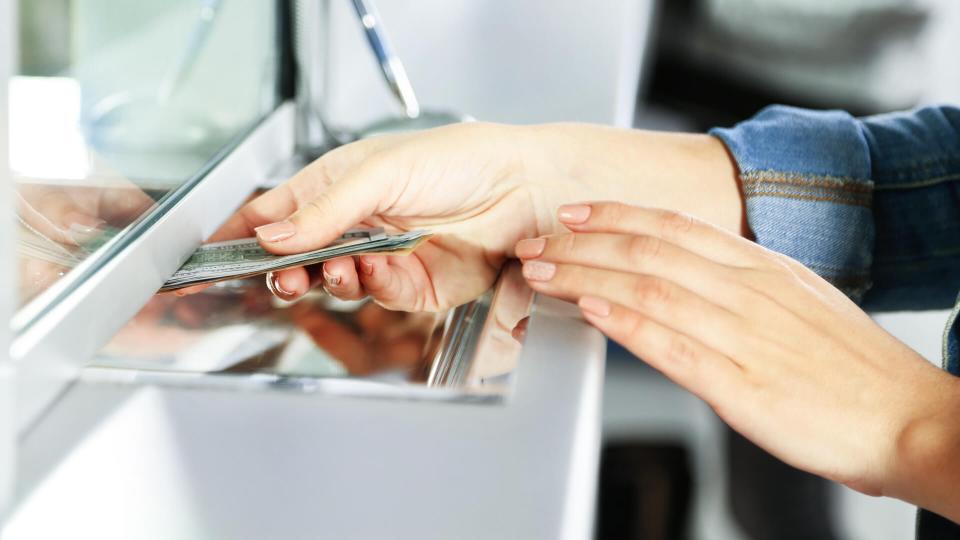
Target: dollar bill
(233, 259)
(245, 258)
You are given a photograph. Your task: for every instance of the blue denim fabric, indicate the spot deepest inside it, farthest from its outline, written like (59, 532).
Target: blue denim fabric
(871, 204)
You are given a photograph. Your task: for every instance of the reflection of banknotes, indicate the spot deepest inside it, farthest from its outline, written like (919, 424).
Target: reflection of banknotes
(245, 258)
(35, 245)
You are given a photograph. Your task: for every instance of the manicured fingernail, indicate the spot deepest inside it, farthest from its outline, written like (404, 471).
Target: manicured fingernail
(82, 227)
(366, 266)
(531, 248)
(330, 279)
(595, 306)
(273, 283)
(573, 213)
(276, 232)
(539, 270)
(80, 222)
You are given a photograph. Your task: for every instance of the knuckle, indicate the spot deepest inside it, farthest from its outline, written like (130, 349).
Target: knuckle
(614, 214)
(568, 244)
(320, 205)
(634, 327)
(643, 248)
(681, 351)
(650, 291)
(325, 170)
(673, 224)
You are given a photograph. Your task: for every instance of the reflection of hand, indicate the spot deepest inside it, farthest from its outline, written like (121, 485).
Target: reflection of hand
(71, 215)
(378, 340)
(482, 187)
(782, 356)
(166, 324)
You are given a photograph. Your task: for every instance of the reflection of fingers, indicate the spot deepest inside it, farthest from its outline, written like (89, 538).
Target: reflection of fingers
(340, 279)
(337, 339)
(187, 291)
(403, 351)
(55, 215)
(120, 206)
(36, 275)
(373, 318)
(289, 284)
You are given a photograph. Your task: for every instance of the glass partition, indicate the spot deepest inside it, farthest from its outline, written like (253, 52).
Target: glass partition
(117, 108)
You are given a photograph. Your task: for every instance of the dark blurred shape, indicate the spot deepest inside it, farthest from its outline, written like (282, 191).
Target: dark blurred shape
(645, 492)
(718, 62)
(774, 501)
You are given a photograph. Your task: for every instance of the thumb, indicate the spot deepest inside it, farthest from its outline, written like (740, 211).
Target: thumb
(321, 220)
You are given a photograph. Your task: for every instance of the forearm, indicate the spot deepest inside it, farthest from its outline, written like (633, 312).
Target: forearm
(692, 173)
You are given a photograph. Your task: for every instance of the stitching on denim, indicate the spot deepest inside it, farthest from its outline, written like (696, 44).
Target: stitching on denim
(864, 201)
(807, 187)
(927, 182)
(847, 183)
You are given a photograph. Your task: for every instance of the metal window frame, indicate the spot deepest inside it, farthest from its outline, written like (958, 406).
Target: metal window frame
(50, 352)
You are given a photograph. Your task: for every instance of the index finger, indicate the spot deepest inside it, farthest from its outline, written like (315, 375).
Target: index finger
(680, 229)
(284, 200)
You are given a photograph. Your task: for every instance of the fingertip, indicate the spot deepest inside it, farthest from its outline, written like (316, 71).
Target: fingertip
(288, 284)
(376, 275)
(369, 264)
(574, 214)
(340, 279)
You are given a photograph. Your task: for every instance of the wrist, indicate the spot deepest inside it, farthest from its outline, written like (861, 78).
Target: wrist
(927, 450)
(691, 173)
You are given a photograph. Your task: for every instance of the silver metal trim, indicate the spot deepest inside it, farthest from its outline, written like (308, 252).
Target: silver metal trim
(51, 351)
(460, 334)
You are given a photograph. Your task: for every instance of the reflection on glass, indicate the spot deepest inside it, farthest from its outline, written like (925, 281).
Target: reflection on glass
(238, 327)
(137, 99)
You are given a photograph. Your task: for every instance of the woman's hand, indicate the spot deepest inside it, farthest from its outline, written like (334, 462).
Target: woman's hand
(480, 188)
(781, 355)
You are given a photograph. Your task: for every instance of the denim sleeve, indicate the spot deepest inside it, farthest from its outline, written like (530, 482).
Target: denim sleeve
(871, 204)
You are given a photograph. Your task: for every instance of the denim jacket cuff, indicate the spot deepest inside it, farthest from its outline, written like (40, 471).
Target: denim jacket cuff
(806, 180)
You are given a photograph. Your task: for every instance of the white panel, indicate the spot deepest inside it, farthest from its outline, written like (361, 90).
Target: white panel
(520, 62)
(51, 352)
(7, 268)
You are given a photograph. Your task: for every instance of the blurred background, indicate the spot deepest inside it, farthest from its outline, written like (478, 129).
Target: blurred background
(670, 469)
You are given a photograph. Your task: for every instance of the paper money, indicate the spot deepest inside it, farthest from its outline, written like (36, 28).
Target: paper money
(233, 259)
(245, 258)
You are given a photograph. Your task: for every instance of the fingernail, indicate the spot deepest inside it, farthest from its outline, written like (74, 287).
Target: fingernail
(273, 283)
(539, 270)
(83, 223)
(82, 227)
(276, 232)
(574, 213)
(366, 266)
(330, 279)
(595, 306)
(530, 248)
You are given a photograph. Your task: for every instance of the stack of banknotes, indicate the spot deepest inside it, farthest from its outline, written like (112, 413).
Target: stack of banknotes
(233, 259)
(244, 258)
